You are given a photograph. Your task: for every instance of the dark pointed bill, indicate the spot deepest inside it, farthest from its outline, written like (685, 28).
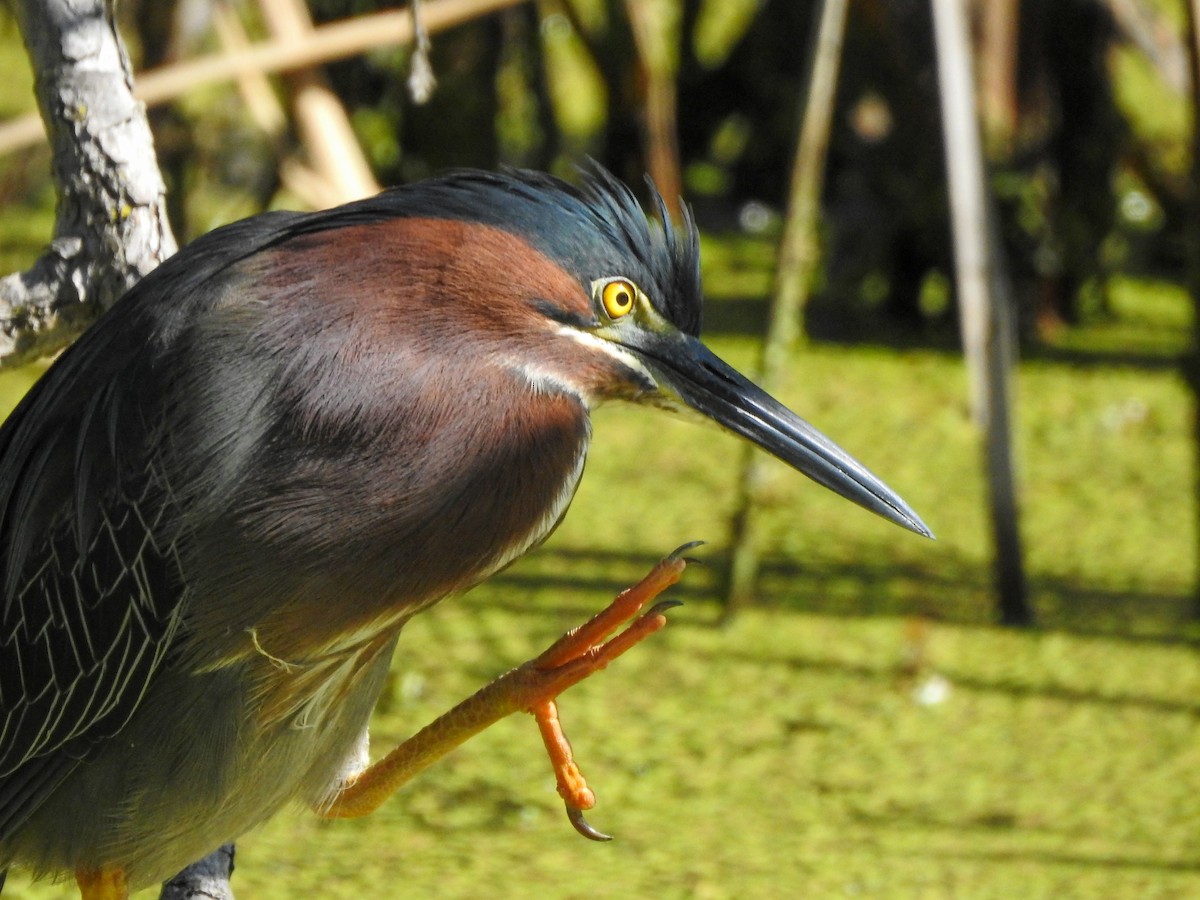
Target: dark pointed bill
(710, 386)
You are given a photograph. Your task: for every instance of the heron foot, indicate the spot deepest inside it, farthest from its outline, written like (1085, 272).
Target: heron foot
(584, 651)
(533, 687)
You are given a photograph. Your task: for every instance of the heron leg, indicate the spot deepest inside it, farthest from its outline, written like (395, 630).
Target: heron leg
(532, 687)
(572, 786)
(102, 884)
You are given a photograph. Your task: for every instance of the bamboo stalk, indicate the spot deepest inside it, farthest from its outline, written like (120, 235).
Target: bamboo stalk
(660, 133)
(324, 44)
(985, 305)
(799, 253)
(325, 129)
(266, 110)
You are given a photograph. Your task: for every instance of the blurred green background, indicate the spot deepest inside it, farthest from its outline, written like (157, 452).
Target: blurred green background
(864, 728)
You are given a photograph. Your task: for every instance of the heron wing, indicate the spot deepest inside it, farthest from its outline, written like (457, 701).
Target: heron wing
(91, 582)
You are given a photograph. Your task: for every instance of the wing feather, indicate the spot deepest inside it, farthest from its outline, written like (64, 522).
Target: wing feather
(91, 577)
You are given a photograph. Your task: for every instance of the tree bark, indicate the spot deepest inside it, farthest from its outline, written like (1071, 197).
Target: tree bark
(111, 226)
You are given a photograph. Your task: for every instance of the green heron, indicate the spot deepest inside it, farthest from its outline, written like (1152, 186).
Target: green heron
(220, 506)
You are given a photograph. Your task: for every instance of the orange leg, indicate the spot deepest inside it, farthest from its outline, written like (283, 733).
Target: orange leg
(532, 687)
(571, 784)
(102, 884)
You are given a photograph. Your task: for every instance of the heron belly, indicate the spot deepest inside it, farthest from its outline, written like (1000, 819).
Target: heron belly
(191, 771)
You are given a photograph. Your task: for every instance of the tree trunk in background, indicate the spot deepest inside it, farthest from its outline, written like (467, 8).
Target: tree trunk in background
(799, 254)
(111, 226)
(1191, 362)
(656, 85)
(986, 310)
(998, 56)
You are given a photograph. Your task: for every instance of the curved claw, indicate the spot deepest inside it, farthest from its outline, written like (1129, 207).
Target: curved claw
(678, 552)
(661, 607)
(580, 824)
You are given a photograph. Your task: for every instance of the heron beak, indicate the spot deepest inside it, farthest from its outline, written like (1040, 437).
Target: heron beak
(699, 379)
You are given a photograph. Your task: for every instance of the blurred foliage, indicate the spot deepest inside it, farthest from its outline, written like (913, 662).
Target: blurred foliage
(1091, 183)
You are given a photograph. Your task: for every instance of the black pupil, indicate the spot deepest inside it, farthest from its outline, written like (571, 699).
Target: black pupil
(622, 299)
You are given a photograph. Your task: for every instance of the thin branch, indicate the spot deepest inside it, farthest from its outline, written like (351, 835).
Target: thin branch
(421, 80)
(324, 44)
(799, 255)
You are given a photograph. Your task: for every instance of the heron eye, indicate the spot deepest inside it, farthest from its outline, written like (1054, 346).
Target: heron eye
(618, 297)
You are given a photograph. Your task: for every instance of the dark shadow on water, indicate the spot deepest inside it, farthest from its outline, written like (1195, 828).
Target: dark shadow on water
(1005, 822)
(1128, 861)
(886, 674)
(953, 591)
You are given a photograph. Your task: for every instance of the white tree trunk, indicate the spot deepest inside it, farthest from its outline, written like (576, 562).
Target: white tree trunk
(985, 305)
(111, 226)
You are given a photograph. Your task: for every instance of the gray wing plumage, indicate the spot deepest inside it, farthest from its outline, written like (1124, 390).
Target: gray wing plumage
(91, 581)
(88, 592)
